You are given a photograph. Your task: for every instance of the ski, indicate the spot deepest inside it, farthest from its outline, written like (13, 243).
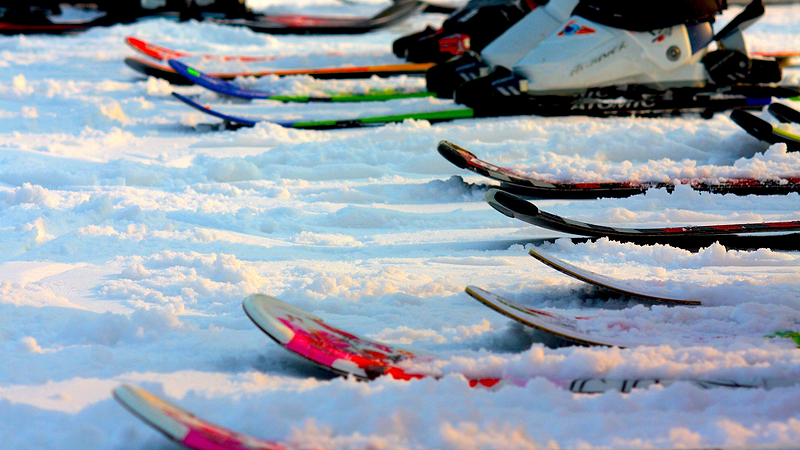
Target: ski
(631, 101)
(235, 122)
(345, 353)
(585, 330)
(764, 131)
(783, 113)
(183, 427)
(608, 283)
(308, 336)
(166, 72)
(228, 88)
(163, 53)
(785, 58)
(521, 184)
(398, 11)
(190, 431)
(694, 236)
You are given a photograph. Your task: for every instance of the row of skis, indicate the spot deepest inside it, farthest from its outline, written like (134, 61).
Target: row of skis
(562, 57)
(71, 16)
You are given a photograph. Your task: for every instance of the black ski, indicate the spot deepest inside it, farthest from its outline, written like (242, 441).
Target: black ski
(783, 235)
(518, 183)
(763, 130)
(300, 24)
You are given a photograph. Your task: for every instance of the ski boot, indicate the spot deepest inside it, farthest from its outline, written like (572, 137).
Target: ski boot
(648, 60)
(470, 28)
(506, 50)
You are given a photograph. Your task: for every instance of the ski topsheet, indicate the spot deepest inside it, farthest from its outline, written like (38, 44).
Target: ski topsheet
(345, 353)
(228, 88)
(763, 130)
(522, 184)
(433, 116)
(163, 53)
(192, 432)
(592, 330)
(184, 427)
(398, 11)
(519, 208)
(308, 336)
(596, 279)
(166, 72)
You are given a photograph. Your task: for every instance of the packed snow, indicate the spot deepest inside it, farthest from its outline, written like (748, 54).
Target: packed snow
(133, 228)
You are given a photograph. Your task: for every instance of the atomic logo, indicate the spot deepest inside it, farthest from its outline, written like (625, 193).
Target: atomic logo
(573, 28)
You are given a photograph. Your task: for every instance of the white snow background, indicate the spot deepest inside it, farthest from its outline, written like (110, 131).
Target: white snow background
(131, 233)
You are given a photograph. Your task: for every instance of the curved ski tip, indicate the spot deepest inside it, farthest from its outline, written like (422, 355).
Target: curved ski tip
(475, 292)
(152, 410)
(264, 311)
(510, 204)
(755, 126)
(454, 153)
(783, 113)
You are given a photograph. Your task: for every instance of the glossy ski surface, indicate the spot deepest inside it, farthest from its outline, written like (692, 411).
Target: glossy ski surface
(596, 279)
(192, 432)
(229, 88)
(240, 121)
(519, 183)
(398, 11)
(434, 116)
(166, 72)
(163, 53)
(519, 208)
(184, 427)
(593, 330)
(765, 131)
(563, 326)
(332, 348)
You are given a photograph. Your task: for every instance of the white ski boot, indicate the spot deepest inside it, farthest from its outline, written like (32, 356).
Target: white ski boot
(629, 52)
(505, 50)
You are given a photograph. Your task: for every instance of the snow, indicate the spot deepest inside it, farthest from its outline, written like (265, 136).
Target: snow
(131, 232)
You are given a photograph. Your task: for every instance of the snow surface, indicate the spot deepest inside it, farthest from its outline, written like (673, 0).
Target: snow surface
(132, 232)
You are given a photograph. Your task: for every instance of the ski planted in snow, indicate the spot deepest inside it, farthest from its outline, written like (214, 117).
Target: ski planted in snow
(163, 53)
(228, 88)
(765, 131)
(521, 184)
(693, 236)
(577, 330)
(333, 349)
(183, 427)
(608, 283)
(190, 431)
(398, 11)
(236, 122)
(345, 353)
(166, 72)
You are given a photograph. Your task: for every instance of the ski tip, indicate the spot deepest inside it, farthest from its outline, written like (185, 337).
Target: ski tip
(454, 153)
(152, 409)
(755, 126)
(509, 204)
(264, 311)
(475, 292)
(784, 113)
(134, 42)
